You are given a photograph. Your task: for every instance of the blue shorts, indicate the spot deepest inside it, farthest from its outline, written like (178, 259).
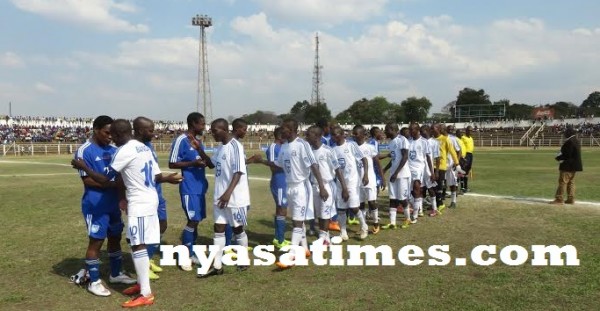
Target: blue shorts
(194, 206)
(279, 196)
(103, 225)
(162, 208)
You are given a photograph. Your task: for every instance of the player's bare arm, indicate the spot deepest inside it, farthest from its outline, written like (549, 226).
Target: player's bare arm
(365, 163)
(173, 178)
(101, 179)
(226, 196)
(377, 164)
(322, 192)
(340, 176)
(404, 153)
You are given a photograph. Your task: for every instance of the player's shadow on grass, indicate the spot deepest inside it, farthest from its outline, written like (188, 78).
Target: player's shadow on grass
(70, 266)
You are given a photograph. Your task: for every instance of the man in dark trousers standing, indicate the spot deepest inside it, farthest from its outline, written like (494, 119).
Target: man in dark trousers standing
(570, 163)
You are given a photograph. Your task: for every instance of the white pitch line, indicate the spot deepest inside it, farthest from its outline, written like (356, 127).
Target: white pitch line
(35, 175)
(526, 199)
(35, 163)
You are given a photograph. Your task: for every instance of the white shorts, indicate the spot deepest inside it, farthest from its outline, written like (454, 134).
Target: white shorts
(399, 189)
(325, 209)
(428, 183)
(233, 216)
(416, 175)
(353, 196)
(143, 230)
(451, 177)
(368, 194)
(300, 201)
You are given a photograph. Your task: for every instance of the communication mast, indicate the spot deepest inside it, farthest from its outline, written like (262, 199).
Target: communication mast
(317, 95)
(203, 21)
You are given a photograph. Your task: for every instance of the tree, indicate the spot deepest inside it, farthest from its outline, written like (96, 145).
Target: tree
(470, 96)
(519, 111)
(370, 111)
(564, 109)
(304, 112)
(415, 109)
(261, 117)
(591, 105)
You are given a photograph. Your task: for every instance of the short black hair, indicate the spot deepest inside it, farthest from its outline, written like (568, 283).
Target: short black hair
(237, 123)
(102, 121)
(337, 128)
(373, 130)
(221, 122)
(358, 127)
(393, 126)
(194, 117)
(292, 123)
(315, 128)
(121, 126)
(322, 123)
(277, 132)
(137, 122)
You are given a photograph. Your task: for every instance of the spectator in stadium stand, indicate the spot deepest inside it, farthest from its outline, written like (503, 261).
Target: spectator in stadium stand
(570, 163)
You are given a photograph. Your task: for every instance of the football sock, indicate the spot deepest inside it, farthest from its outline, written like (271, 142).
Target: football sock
(228, 235)
(466, 182)
(375, 215)
(418, 206)
(393, 211)
(296, 235)
(152, 248)
(116, 258)
(303, 241)
(434, 204)
(187, 237)
(342, 219)
(219, 240)
(280, 228)
(242, 239)
(93, 267)
(453, 195)
(335, 217)
(142, 267)
(361, 219)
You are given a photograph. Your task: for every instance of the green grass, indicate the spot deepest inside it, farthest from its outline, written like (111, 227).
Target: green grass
(43, 241)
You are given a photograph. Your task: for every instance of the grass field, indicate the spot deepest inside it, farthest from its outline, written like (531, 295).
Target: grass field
(43, 239)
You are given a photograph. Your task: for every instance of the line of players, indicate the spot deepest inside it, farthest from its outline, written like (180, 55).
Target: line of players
(337, 174)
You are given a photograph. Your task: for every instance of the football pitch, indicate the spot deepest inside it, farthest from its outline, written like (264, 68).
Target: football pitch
(43, 240)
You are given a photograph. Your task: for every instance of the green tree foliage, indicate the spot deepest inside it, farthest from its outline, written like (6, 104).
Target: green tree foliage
(519, 111)
(261, 117)
(564, 109)
(591, 105)
(304, 112)
(371, 111)
(468, 96)
(415, 109)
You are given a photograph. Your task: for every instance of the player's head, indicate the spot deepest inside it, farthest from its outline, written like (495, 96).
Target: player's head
(337, 135)
(391, 130)
(324, 125)
(425, 130)
(376, 133)
(240, 127)
(143, 129)
(468, 131)
(277, 134)
(436, 129)
(121, 132)
(313, 136)
(101, 128)
(289, 129)
(196, 123)
(459, 133)
(444, 129)
(219, 129)
(414, 130)
(569, 131)
(450, 129)
(404, 132)
(359, 133)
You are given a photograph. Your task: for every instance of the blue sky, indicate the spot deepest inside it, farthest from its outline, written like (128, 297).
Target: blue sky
(130, 58)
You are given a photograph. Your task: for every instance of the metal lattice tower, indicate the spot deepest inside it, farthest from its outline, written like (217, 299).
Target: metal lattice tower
(317, 94)
(203, 21)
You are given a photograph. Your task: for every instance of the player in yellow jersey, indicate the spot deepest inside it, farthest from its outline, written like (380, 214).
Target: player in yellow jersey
(446, 149)
(467, 139)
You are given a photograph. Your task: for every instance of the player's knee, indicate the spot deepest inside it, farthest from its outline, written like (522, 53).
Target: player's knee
(219, 228)
(193, 223)
(238, 230)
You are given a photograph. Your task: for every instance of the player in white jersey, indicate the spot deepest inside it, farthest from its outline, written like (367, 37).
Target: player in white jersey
(368, 193)
(135, 163)
(430, 184)
(353, 162)
(231, 197)
(298, 162)
(399, 187)
(420, 164)
(330, 170)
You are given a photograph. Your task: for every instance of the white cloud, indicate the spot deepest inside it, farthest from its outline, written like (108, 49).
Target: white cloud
(330, 12)
(98, 14)
(11, 59)
(44, 88)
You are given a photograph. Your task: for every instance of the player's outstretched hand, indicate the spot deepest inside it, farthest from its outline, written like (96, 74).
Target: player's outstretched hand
(200, 163)
(194, 142)
(78, 164)
(257, 158)
(174, 178)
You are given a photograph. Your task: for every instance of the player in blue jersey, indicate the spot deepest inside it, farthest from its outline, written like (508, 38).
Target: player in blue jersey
(187, 154)
(100, 208)
(278, 189)
(143, 130)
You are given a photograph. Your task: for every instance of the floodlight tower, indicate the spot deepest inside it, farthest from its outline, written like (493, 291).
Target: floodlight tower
(317, 96)
(203, 21)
